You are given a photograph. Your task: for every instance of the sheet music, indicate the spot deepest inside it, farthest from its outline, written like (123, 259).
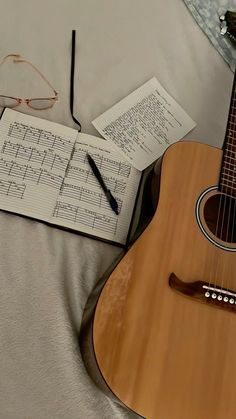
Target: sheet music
(144, 124)
(34, 155)
(44, 174)
(82, 204)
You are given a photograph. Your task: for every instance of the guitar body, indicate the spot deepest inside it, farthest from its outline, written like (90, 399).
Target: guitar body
(166, 354)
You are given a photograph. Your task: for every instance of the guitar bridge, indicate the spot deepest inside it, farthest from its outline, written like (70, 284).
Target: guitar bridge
(205, 293)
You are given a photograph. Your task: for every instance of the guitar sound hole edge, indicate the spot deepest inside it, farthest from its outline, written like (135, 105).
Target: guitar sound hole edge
(215, 212)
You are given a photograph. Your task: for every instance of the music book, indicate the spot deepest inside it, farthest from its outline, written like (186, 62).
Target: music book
(45, 175)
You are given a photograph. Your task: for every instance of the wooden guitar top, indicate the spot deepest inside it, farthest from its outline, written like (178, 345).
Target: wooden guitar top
(164, 354)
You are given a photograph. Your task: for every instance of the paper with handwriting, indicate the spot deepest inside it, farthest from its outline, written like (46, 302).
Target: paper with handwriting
(144, 124)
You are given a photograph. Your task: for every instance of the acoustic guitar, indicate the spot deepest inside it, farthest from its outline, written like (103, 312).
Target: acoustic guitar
(162, 336)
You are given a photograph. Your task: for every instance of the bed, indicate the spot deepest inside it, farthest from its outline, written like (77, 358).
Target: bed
(47, 274)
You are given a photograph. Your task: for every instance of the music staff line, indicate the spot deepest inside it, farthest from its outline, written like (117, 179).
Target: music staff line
(103, 163)
(85, 195)
(87, 177)
(39, 136)
(28, 173)
(11, 188)
(85, 217)
(31, 154)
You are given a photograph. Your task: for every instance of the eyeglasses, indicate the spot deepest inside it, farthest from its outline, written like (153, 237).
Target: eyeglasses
(35, 103)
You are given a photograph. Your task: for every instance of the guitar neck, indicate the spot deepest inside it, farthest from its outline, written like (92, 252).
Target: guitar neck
(227, 183)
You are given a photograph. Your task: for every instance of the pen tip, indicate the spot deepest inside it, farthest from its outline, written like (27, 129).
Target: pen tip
(114, 205)
(88, 157)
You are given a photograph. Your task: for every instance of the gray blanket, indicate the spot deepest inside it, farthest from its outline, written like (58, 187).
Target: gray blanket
(44, 284)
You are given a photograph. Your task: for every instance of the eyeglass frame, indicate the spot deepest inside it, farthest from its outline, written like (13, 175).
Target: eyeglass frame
(18, 59)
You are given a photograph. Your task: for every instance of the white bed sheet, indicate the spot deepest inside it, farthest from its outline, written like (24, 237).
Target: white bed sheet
(46, 274)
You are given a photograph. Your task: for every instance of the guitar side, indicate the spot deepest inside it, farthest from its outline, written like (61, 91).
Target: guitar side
(165, 355)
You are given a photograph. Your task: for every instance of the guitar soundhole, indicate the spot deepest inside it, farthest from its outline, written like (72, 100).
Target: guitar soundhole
(220, 216)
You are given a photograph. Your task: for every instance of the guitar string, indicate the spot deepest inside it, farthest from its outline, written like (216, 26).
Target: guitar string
(229, 195)
(216, 234)
(232, 238)
(218, 230)
(226, 183)
(233, 198)
(213, 275)
(214, 272)
(232, 138)
(223, 177)
(221, 218)
(234, 177)
(231, 158)
(233, 152)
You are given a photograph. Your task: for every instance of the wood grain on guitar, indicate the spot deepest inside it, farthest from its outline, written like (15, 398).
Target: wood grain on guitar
(163, 354)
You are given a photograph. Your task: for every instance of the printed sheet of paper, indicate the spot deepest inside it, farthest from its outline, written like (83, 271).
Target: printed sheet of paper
(82, 204)
(144, 124)
(34, 155)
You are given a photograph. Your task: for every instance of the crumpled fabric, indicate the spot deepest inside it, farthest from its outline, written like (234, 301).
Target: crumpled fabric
(207, 13)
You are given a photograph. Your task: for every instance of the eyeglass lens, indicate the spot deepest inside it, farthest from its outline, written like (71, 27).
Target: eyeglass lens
(8, 102)
(39, 104)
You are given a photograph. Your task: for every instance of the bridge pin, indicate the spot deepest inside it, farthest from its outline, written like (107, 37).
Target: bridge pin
(231, 301)
(219, 297)
(214, 295)
(207, 294)
(226, 299)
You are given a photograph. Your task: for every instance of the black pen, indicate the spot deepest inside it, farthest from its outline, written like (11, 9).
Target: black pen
(97, 174)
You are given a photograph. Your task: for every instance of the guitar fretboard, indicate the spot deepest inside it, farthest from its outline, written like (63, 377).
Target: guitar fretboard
(227, 182)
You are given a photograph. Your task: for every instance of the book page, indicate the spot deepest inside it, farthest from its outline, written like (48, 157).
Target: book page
(34, 155)
(144, 124)
(82, 204)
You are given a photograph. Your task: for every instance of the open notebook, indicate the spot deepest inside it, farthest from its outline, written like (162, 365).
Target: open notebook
(44, 174)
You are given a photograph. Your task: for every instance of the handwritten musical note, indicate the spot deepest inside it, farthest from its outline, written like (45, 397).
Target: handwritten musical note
(29, 173)
(105, 164)
(84, 216)
(11, 188)
(34, 135)
(86, 176)
(44, 158)
(82, 194)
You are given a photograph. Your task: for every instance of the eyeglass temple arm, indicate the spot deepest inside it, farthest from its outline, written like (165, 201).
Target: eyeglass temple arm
(18, 59)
